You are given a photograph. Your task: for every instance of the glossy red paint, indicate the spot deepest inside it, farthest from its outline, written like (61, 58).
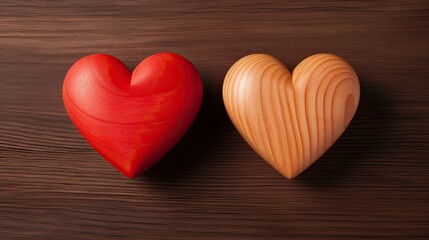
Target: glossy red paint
(133, 119)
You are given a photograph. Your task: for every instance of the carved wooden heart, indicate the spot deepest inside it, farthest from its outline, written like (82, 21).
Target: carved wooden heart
(133, 119)
(290, 120)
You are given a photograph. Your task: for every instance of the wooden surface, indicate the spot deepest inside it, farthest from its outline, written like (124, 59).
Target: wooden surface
(372, 184)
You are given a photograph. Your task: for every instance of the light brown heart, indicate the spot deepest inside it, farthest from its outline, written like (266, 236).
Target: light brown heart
(290, 120)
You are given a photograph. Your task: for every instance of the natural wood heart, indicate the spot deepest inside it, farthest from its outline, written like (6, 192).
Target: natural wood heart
(291, 120)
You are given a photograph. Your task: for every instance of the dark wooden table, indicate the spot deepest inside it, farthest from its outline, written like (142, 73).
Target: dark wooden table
(372, 184)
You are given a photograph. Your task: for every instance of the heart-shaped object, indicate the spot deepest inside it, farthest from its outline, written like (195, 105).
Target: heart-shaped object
(290, 120)
(132, 119)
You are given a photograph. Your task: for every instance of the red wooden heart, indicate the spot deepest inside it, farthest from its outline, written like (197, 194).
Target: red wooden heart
(132, 119)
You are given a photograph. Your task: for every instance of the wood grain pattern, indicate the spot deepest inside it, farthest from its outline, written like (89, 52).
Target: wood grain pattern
(372, 184)
(291, 120)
